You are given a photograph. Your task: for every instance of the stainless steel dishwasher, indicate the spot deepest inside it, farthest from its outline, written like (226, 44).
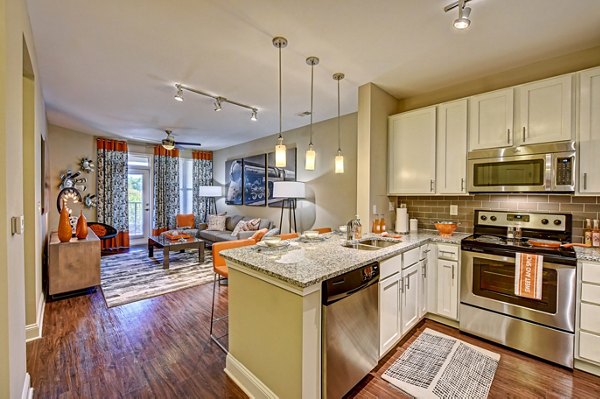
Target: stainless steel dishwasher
(350, 326)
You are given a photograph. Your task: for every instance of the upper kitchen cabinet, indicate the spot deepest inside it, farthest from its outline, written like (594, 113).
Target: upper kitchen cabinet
(411, 158)
(589, 132)
(491, 120)
(452, 148)
(545, 111)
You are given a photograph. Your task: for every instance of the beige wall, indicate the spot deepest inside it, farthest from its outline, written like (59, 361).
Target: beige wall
(374, 106)
(15, 23)
(540, 70)
(65, 149)
(331, 198)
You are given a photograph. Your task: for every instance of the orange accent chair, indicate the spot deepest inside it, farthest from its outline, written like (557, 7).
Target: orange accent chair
(323, 230)
(289, 236)
(221, 273)
(185, 221)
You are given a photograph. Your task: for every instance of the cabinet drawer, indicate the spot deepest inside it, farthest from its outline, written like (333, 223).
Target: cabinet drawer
(590, 273)
(390, 266)
(589, 317)
(590, 293)
(589, 346)
(449, 252)
(410, 257)
(424, 250)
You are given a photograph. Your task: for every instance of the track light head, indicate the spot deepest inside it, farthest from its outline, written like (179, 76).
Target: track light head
(254, 116)
(218, 106)
(179, 95)
(463, 21)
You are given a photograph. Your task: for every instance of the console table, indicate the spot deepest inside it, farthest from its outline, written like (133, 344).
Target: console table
(73, 265)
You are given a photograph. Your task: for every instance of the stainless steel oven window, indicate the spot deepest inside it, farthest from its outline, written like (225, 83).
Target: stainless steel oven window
(509, 173)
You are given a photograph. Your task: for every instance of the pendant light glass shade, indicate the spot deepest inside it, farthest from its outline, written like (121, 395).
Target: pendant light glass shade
(280, 150)
(310, 157)
(339, 162)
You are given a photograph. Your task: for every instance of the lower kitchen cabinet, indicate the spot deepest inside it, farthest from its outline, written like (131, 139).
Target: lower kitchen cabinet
(588, 329)
(410, 297)
(447, 283)
(390, 302)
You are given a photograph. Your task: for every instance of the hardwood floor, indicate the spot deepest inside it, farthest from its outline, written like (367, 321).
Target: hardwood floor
(159, 348)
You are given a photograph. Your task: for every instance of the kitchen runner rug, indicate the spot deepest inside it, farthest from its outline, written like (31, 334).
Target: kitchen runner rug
(133, 276)
(436, 365)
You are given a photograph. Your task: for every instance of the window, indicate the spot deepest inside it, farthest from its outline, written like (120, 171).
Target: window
(186, 181)
(138, 160)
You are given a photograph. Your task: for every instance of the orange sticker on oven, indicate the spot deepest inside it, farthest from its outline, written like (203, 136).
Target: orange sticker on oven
(528, 275)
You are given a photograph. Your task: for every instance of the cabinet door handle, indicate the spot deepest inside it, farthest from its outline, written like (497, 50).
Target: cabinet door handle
(424, 272)
(408, 283)
(524, 130)
(431, 182)
(452, 272)
(462, 184)
(508, 136)
(585, 181)
(402, 285)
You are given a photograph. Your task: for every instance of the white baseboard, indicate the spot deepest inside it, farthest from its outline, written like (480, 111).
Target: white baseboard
(34, 331)
(27, 392)
(587, 367)
(248, 382)
(442, 320)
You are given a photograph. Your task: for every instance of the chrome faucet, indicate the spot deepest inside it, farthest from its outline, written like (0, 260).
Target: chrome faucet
(350, 229)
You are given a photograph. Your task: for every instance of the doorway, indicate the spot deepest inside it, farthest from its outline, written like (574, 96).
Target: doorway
(139, 198)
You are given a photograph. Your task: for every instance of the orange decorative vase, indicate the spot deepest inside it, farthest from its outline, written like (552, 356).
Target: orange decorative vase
(81, 231)
(65, 231)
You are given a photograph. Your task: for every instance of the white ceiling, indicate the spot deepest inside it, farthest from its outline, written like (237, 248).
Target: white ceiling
(110, 66)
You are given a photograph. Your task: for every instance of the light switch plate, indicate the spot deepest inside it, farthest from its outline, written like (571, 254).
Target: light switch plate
(17, 225)
(391, 206)
(453, 210)
(374, 209)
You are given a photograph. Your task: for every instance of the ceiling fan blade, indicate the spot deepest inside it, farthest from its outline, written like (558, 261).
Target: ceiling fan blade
(190, 144)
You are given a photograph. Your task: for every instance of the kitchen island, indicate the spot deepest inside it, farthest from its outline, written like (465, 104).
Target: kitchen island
(275, 310)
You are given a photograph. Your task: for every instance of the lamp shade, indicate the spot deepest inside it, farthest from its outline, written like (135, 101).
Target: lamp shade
(289, 189)
(210, 191)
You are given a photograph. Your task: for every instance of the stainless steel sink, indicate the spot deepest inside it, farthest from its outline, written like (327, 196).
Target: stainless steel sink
(371, 244)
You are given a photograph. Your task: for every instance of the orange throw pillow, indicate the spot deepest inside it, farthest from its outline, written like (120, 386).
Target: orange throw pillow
(259, 234)
(185, 221)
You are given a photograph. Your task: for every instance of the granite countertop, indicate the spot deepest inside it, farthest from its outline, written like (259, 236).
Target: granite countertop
(325, 259)
(589, 254)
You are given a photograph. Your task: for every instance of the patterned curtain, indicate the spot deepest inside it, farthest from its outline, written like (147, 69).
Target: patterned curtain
(166, 189)
(203, 176)
(111, 193)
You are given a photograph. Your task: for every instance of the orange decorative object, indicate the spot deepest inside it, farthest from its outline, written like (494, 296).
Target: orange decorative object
(445, 228)
(65, 231)
(177, 235)
(81, 231)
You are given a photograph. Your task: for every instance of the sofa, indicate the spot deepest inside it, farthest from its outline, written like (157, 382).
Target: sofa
(210, 236)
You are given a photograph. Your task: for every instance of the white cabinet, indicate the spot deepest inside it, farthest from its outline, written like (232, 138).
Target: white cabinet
(423, 283)
(447, 282)
(491, 120)
(410, 297)
(390, 302)
(432, 279)
(588, 331)
(411, 156)
(545, 111)
(451, 162)
(589, 132)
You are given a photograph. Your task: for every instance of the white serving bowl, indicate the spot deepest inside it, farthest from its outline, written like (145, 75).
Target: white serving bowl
(272, 241)
(343, 228)
(311, 234)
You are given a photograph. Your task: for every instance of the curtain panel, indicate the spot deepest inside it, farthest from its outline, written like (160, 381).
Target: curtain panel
(112, 208)
(202, 176)
(166, 189)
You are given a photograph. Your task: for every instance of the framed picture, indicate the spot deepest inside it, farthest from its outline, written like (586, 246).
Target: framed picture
(234, 171)
(255, 169)
(279, 174)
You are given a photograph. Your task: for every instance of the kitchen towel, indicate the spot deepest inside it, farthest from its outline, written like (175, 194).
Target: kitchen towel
(402, 220)
(529, 271)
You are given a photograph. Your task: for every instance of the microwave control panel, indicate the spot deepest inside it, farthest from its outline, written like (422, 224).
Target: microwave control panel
(564, 171)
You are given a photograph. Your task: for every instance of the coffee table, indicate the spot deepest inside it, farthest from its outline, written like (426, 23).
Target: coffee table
(174, 245)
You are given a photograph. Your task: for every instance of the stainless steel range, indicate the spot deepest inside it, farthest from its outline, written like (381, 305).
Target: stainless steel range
(489, 307)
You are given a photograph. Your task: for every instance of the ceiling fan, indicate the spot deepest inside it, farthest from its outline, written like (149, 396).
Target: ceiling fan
(169, 143)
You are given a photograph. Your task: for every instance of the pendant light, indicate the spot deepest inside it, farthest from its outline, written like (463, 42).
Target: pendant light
(309, 163)
(339, 158)
(280, 150)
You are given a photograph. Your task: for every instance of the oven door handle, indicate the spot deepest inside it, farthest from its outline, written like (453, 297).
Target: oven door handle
(507, 259)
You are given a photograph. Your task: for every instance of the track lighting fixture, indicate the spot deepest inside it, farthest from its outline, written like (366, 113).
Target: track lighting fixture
(218, 100)
(339, 158)
(463, 21)
(280, 149)
(309, 159)
(179, 95)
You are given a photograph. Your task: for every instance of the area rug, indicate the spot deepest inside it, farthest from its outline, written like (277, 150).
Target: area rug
(436, 365)
(133, 276)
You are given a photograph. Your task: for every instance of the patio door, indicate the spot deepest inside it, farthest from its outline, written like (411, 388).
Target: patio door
(139, 189)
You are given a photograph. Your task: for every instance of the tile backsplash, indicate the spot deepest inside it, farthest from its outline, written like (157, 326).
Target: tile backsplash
(429, 209)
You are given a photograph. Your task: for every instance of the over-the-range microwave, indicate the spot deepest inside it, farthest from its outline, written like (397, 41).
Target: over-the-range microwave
(539, 168)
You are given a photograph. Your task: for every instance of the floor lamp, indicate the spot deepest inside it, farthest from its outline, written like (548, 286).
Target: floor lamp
(212, 193)
(289, 192)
